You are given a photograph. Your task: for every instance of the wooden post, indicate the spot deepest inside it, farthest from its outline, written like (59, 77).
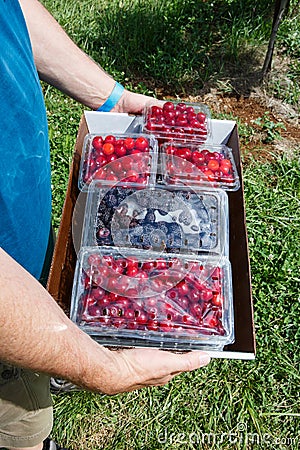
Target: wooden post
(281, 6)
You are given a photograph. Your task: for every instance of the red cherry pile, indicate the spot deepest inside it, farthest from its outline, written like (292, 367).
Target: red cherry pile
(187, 297)
(197, 165)
(117, 159)
(176, 121)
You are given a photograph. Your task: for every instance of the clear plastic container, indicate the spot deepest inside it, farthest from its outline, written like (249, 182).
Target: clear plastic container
(158, 220)
(184, 121)
(128, 159)
(135, 298)
(193, 166)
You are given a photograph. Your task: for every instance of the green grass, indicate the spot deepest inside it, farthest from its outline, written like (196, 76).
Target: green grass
(180, 44)
(180, 47)
(227, 396)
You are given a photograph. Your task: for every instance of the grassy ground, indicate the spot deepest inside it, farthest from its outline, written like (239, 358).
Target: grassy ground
(183, 48)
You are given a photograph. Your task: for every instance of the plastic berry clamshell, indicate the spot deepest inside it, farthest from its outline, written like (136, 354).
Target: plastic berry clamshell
(163, 220)
(125, 298)
(187, 122)
(193, 166)
(118, 159)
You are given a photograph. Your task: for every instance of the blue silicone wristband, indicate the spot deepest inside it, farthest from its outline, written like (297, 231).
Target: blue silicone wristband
(112, 99)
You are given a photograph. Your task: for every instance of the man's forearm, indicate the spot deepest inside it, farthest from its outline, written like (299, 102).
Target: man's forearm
(35, 333)
(60, 62)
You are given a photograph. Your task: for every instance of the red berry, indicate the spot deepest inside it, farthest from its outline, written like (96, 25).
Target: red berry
(166, 326)
(201, 117)
(189, 110)
(213, 165)
(129, 143)
(206, 295)
(180, 107)
(181, 120)
(141, 143)
(168, 106)
(141, 317)
(225, 165)
(111, 158)
(108, 148)
(152, 325)
(97, 142)
(156, 111)
(120, 150)
(183, 152)
(218, 175)
(112, 177)
(198, 158)
(217, 300)
(131, 176)
(110, 139)
(191, 116)
(132, 271)
(100, 161)
(195, 124)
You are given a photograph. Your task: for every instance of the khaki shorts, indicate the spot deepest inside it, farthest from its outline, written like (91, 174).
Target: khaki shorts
(26, 413)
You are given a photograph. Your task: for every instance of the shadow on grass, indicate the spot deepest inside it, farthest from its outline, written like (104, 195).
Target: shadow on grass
(183, 46)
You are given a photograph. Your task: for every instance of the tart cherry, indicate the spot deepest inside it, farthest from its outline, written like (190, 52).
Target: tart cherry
(168, 106)
(112, 158)
(156, 111)
(166, 326)
(101, 161)
(213, 165)
(217, 300)
(210, 320)
(97, 142)
(201, 117)
(129, 143)
(153, 325)
(141, 143)
(129, 314)
(108, 148)
(141, 318)
(120, 150)
(198, 158)
(180, 107)
(206, 295)
(110, 139)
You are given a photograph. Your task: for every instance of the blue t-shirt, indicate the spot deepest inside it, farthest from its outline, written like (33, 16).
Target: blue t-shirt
(25, 187)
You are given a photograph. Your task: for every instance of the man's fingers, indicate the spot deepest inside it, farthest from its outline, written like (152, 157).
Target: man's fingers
(186, 362)
(158, 363)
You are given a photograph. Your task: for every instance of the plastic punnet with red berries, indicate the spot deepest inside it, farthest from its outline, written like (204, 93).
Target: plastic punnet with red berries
(188, 122)
(126, 298)
(123, 159)
(192, 165)
(161, 219)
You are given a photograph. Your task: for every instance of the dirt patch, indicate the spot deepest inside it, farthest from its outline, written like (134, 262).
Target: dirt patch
(267, 126)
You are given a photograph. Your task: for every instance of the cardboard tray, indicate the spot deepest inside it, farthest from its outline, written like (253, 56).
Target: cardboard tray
(62, 269)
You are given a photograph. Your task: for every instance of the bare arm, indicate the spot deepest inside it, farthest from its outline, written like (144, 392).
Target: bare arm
(36, 334)
(63, 65)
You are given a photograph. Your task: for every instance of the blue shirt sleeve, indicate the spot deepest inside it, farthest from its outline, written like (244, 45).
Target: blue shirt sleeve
(25, 185)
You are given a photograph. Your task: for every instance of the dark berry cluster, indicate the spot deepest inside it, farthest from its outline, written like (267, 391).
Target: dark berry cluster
(143, 220)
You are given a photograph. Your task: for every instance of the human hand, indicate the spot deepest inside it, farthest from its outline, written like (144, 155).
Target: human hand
(134, 103)
(132, 369)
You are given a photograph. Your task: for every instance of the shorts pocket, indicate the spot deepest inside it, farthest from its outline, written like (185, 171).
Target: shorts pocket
(8, 374)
